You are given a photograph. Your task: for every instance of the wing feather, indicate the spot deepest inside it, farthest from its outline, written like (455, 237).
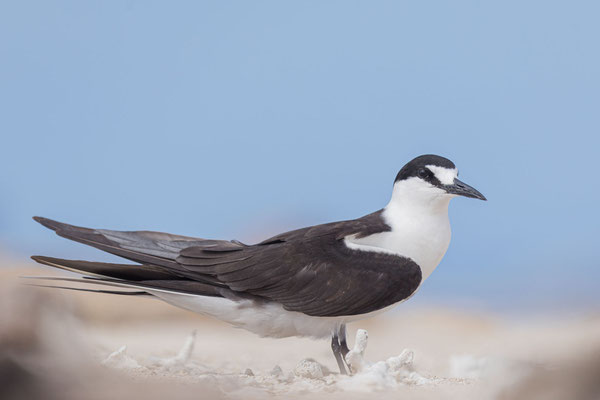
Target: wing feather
(309, 270)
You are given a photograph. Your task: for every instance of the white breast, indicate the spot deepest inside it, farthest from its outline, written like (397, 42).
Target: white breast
(420, 228)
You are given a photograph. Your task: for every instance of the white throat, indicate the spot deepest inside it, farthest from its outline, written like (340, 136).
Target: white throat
(420, 228)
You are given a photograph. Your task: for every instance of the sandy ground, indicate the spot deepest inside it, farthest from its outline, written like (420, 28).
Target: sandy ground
(57, 344)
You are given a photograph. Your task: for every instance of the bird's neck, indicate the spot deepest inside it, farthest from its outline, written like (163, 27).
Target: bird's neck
(417, 216)
(420, 228)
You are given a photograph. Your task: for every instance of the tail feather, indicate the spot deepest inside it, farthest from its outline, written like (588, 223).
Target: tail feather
(156, 253)
(130, 272)
(99, 240)
(168, 286)
(126, 272)
(119, 292)
(144, 247)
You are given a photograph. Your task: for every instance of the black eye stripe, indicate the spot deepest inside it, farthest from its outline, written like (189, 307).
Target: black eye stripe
(424, 173)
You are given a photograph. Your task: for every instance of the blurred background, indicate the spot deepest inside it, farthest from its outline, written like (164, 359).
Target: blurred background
(245, 119)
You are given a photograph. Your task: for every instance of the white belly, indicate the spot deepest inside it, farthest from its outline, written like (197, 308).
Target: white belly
(264, 319)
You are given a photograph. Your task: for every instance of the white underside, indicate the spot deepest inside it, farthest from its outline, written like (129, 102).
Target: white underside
(265, 319)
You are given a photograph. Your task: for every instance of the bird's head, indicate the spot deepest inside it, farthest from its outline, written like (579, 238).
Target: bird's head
(431, 177)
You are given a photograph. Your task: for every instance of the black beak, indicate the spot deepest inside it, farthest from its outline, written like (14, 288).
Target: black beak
(462, 189)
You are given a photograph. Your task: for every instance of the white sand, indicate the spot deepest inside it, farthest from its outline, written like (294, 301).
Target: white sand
(75, 345)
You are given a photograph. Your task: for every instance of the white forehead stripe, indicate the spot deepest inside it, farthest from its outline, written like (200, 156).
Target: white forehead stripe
(444, 175)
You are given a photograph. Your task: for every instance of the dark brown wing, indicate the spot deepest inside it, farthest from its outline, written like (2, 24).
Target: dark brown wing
(312, 271)
(308, 270)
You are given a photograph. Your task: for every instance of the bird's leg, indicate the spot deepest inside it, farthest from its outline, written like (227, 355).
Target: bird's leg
(336, 347)
(342, 337)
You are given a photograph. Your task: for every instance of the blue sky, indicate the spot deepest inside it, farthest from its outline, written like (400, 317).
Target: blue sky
(242, 119)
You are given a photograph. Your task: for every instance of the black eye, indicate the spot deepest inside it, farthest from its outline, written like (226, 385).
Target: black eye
(422, 173)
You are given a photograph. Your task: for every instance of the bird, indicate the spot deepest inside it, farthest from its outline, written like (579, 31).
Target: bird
(308, 282)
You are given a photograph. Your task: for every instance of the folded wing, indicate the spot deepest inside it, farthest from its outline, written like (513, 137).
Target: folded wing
(309, 270)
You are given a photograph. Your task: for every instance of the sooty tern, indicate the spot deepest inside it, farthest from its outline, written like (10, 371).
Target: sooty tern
(307, 282)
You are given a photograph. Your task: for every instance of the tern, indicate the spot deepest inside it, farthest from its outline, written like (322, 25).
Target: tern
(308, 282)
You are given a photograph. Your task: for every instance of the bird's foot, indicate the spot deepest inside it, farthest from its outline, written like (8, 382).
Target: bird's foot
(337, 352)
